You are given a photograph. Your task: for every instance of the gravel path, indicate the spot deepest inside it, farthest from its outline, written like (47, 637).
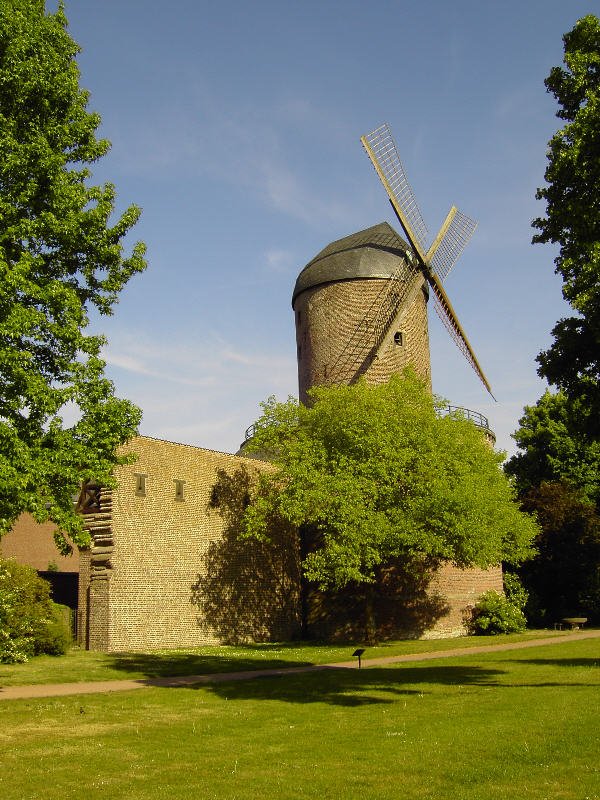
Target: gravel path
(92, 687)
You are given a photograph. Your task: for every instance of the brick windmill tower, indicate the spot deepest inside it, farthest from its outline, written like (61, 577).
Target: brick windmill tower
(361, 304)
(360, 310)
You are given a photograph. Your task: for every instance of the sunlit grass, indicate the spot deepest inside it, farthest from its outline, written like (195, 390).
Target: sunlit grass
(510, 725)
(81, 665)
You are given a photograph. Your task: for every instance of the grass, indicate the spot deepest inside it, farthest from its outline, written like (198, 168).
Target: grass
(515, 724)
(81, 665)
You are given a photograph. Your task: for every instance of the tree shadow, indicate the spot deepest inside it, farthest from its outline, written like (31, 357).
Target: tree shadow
(354, 687)
(336, 685)
(251, 590)
(562, 662)
(248, 590)
(179, 663)
(398, 605)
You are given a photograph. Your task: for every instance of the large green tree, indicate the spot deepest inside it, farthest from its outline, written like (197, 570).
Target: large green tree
(61, 255)
(572, 217)
(378, 474)
(557, 468)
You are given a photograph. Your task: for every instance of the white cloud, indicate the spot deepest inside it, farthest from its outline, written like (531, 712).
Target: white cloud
(135, 358)
(279, 260)
(206, 394)
(249, 147)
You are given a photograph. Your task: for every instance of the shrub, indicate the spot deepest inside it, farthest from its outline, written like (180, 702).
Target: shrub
(30, 623)
(494, 614)
(54, 638)
(514, 590)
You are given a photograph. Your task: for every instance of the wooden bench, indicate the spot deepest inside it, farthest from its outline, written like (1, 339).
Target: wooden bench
(575, 622)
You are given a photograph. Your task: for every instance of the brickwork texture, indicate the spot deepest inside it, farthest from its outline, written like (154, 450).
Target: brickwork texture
(326, 318)
(32, 543)
(166, 568)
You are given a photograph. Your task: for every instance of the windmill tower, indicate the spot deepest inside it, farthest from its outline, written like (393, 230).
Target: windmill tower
(360, 309)
(361, 304)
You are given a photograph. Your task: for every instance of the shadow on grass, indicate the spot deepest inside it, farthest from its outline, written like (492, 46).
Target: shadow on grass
(175, 663)
(561, 662)
(354, 687)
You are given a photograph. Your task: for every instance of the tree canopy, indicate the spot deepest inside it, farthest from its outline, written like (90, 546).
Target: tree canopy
(555, 446)
(564, 576)
(557, 470)
(61, 254)
(572, 217)
(379, 473)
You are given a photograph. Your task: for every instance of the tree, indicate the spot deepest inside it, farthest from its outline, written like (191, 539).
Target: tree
(554, 446)
(376, 474)
(557, 471)
(564, 576)
(573, 217)
(61, 255)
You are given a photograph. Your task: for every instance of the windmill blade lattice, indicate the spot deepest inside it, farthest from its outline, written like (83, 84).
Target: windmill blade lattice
(452, 244)
(383, 146)
(450, 323)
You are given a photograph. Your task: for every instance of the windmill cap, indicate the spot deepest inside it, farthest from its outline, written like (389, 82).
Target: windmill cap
(371, 253)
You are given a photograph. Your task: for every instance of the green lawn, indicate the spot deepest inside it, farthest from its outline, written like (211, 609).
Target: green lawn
(507, 725)
(81, 665)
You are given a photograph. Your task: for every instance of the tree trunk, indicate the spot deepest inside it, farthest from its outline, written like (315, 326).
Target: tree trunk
(370, 623)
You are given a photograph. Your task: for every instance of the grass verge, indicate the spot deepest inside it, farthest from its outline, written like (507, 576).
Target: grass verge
(516, 724)
(81, 665)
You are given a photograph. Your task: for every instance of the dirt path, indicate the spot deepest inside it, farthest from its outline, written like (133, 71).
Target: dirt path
(63, 689)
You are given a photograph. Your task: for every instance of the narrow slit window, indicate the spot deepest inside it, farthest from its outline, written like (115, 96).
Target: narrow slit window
(179, 490)
(140, 484)
(399, 338)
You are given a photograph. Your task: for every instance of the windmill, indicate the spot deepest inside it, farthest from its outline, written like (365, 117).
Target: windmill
(360, 309)
(361, 303)
(435, 263)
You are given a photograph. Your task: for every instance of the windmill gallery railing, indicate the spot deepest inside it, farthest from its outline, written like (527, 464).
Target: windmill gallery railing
(464, 413)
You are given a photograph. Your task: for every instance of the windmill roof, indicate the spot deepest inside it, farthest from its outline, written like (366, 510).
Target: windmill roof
(371, 253)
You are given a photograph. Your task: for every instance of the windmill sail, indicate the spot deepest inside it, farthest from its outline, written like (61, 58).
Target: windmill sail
(448, 245)
(445, 251)
(446, 313)
(382, 151)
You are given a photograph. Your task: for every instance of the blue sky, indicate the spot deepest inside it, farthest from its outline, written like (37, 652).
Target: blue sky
(236, 127)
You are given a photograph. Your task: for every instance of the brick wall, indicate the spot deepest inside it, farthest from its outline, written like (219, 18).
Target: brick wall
(460, 589)
(177, 575)
(326, 318)
(406, 601)
(169, 572)
(32, 543)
